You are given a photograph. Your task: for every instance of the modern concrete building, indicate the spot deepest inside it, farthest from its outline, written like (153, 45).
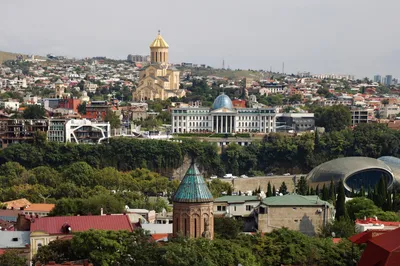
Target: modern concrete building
(389, 111)
(378, 78)
(86, 131)
(360, 115)
(295, 212)
(236, 206)
(222, 117)
(356, 172)
(296, 122)
(20, 130)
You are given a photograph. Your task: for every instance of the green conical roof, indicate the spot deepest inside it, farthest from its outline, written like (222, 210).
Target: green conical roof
(193, 188)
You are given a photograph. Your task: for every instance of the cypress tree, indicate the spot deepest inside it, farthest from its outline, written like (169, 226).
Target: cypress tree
(341, 202)
(259, 189)
(312, 192)
(389, 206)
(273, 191)
(325, 193)
(283, 188)
(317, 190)
(370, 193)
(229, 192)
(362, 192)
(269, 191)
(332, 194)
(380, 193)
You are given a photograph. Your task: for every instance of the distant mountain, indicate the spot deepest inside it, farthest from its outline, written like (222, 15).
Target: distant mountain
(4, 56)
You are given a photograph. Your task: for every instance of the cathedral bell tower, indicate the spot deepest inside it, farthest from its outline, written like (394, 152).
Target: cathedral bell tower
(159, 50)
(193, 207)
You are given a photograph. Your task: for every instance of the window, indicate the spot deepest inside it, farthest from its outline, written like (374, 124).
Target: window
(249, 207)
(234, 208)
(221, 208)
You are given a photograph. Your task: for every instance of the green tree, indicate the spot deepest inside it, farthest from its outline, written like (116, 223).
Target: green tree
(228, 228)
(113, 119)
(283, 188)
(273, 191)
(332, 193)
(34, 112)
(302, 186)
(341, 211)
(80, 173)
(269, 190)
(12, 258)
(333, 118)
(58, 251)
(342, 228)
(82, 108)
(325, 193)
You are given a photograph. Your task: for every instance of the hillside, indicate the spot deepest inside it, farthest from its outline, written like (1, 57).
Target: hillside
(4, 56)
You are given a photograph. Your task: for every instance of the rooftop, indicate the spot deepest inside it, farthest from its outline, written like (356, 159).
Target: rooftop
(17, 204)
(193, 188)
(294, 200)
(14, 239)
(43, 207)
(53, 225)
(159, 42)
(237, 199)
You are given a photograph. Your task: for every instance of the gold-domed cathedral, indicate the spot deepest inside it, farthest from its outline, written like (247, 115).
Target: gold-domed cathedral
(193, 207)
(158, 80)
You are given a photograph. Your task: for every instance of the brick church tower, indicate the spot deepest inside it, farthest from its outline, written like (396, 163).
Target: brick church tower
(193, 206)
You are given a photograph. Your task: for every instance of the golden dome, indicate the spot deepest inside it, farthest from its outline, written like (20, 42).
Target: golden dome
(159, 42)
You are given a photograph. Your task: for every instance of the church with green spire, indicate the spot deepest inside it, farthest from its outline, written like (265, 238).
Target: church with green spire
(193, 206)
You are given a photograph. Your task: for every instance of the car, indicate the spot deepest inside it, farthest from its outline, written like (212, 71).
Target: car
(228, 176)
(213, 177)
(270, 174)
(287, 174)
(243, 176)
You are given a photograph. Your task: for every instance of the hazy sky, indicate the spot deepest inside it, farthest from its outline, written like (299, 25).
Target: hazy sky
(359, 37)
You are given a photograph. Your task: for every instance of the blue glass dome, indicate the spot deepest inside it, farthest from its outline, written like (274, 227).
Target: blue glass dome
(222, 101)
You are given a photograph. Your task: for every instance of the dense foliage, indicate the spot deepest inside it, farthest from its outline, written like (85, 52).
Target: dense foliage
(123, 248)
(276, 153)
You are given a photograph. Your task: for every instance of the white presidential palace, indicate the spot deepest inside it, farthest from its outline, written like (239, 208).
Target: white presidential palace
(222, 117)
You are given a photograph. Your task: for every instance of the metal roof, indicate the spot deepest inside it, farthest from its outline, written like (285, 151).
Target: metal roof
(342, 168)
(222, 101)
(237, 199)
(193, 188)
(14, 239)
(294, 200)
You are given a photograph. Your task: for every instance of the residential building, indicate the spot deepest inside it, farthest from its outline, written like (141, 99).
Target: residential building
(223, 118)
(389, 111)
(367, 224)
(11, 105)
(47, 229)
(16, 241)
(360, 115)
(193, 206)
(38, 209)
(17, 204)
(97, 110)
(9, 215)
(236, 206)
(86, 131)
(295, 212)
(295, 122)
(56, 131)
(59, 88)
(138, 58)
(20, 130)
(158, 80)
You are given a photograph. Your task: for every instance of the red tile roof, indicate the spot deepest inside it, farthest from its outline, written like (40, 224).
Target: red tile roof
(158, 237)
(53, 225)
(376, 221)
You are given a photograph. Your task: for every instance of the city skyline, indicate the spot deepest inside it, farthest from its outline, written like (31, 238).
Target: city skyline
(307, 36)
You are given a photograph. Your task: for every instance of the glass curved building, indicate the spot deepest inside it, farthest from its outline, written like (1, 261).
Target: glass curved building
(356, 172)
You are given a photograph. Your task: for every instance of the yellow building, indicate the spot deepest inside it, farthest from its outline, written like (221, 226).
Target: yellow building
(158, 80)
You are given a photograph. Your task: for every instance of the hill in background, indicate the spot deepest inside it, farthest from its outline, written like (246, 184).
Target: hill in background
(4, 56)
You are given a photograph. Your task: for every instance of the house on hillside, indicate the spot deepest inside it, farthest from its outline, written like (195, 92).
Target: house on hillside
(47, 229)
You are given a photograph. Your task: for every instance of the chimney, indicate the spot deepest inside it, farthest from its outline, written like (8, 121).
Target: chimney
(101, 212)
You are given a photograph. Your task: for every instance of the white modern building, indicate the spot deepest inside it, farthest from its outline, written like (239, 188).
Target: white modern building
(389, 111)
(86, 131)
(223, 118)
(12, 105)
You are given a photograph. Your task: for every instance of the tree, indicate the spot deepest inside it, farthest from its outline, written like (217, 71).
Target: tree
(332, 193)
(360, 208)
(269, 190)
(341, 211)
(325, 193)
(227, 228)
(273, 191)
(342, 228)
(34, 112)
(12, 258)
(333, 118)
(82, 108)
(79, 173)
(283, 188)
(362, 191)
(58, 250)
(113, 119)
(302, 186)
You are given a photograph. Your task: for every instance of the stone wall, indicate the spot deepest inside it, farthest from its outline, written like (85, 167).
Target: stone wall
(252, 183)
(306, 219)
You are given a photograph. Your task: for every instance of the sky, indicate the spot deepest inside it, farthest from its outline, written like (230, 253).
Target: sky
(358, 37)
